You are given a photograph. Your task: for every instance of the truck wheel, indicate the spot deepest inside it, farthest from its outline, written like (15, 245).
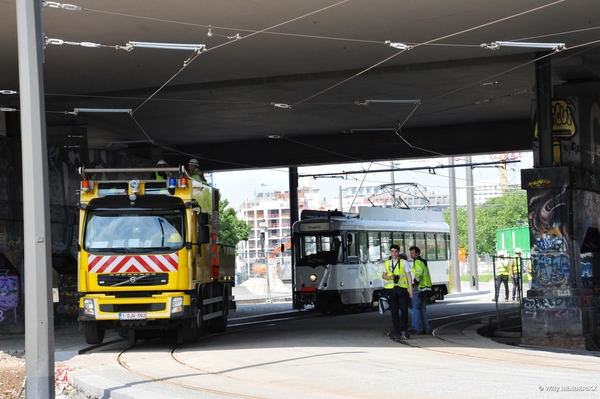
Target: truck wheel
(188, 331)
(219, 324)
(92, 332)
(131, 337)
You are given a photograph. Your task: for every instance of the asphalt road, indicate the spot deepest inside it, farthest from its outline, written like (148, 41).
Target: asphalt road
(339, 356)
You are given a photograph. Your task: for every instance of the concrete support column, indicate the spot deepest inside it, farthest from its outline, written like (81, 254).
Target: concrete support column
(39, 323)
(543, 90)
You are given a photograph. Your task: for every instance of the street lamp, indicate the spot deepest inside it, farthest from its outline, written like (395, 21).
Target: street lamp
(253, 226)
(265, 246)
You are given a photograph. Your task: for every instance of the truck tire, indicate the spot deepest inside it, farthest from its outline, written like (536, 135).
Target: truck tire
(219, 324)
(188, 331)
(92, 332)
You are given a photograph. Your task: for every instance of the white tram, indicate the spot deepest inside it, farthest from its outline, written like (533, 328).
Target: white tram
(339, 257)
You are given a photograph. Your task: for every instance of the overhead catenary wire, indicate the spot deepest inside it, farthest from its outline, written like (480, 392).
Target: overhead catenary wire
(431, 42)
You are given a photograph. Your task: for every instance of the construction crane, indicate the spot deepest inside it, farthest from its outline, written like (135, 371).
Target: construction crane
(503, 172)
(287, 245)
(503, 167)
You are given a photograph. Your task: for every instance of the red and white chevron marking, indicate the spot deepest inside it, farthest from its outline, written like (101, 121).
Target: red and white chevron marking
(133, 264)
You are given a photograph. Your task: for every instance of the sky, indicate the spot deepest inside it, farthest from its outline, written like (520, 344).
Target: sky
(236, 186)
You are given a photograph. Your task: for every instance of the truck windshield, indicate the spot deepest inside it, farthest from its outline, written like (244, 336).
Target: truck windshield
(320, 249)
(135, 232)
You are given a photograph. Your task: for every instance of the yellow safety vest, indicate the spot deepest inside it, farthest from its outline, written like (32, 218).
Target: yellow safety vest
(503, 268)
(516, 266)
(398, 271)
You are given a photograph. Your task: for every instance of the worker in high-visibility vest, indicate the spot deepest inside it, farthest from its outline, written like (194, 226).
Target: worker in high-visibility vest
(422, 285)
(502, 273)
(194, 171)
(398, 290)
(156, 175)
(516, 273)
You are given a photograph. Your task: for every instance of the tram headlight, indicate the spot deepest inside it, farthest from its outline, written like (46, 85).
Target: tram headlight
(177, 304)
(313, 278)
(88, 307)
(341, 283)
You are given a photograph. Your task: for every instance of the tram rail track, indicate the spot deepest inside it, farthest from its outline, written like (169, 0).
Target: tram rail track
(182, 368)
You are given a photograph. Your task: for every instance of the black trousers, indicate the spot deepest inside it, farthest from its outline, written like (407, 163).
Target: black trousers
(516, 286)
(502, 280)
(398, 300)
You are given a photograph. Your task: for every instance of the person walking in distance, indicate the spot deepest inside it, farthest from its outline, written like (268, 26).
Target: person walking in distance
(501, 276)
(422, 288)
(399, 291)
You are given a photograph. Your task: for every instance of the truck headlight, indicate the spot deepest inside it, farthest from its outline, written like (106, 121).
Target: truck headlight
(177, 304)
(88, 307)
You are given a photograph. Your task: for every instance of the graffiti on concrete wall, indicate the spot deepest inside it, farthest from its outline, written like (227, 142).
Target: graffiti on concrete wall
(550, 270)
(9, 299)
(551, 303)
(548, 221)
(554, 316)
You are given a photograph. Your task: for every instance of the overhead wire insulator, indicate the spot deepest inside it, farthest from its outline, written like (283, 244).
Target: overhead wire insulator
(54, 4)
(399, 46)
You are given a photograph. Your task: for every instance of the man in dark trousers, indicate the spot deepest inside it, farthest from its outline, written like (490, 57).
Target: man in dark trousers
(398, 285)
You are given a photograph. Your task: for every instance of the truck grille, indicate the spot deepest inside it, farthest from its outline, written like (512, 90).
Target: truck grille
(130, 279)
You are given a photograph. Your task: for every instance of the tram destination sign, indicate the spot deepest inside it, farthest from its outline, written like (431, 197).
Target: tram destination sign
(317, 226)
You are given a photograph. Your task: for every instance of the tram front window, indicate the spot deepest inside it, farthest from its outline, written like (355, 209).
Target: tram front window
(320, 250)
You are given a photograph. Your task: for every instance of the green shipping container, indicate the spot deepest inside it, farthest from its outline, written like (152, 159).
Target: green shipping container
(514, 237)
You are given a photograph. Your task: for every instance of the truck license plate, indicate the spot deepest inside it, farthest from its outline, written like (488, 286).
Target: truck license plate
(132, 316)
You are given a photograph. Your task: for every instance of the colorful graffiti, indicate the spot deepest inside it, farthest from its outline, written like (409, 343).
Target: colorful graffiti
(550, 270)
(9, 298)
(550, 303)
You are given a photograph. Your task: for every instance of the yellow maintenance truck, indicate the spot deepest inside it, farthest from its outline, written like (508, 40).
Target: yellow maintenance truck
(149, 263)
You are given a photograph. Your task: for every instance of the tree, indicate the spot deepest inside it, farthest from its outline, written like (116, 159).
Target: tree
(232, 229)
(496, 213)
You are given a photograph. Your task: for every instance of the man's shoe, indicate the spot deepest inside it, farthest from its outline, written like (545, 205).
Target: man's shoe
(405, 335)
(398, 337)
(494, 299)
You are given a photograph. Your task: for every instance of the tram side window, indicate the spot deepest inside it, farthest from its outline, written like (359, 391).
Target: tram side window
(398, 239)
(431, 249)
(442, 252)
(409, 241)
(385, 244)
(374, 247)
(352, 245)
(420, 242)
(363, 247)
